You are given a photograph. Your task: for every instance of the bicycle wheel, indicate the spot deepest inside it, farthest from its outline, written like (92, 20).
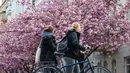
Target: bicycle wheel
(47, 69)
(98, 69)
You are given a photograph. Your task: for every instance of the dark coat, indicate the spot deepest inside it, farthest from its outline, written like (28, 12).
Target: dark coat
(48, 47)
(73, 44)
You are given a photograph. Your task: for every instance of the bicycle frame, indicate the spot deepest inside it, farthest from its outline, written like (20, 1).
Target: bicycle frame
(87, 65)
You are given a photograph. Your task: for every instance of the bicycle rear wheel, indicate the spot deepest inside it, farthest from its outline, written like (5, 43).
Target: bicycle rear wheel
(98, 69)
(47, 69)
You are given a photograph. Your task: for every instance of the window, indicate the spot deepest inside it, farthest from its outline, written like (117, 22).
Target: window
(105, 64)
(128, 14)
(33, 2)
(113, 66)
(3, 16)
(127, 65)
(99, 63)
(99, 70)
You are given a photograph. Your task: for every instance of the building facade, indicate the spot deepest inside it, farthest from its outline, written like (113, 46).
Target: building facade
(10, 9)
(119, 62)
(122, 3)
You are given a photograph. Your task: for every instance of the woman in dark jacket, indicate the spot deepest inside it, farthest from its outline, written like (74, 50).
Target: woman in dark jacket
(48, 46)
(74, 48)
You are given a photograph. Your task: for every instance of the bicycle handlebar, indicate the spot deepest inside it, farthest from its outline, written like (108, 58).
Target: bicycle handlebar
(88, 53)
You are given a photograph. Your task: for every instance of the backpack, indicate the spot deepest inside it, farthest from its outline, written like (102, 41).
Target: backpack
(62, 46)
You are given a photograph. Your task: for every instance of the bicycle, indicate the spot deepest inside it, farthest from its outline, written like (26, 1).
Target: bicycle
(43, 65)
(88, 68)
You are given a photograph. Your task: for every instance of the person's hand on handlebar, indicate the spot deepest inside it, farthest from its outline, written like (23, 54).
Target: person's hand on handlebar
(82, 52)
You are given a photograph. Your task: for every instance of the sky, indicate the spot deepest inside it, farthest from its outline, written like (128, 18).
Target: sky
(0, 2)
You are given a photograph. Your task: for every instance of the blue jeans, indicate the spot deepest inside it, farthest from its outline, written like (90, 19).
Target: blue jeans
(71, 69)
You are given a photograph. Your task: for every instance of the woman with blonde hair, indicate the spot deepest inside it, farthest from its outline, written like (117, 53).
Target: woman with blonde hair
(70, 57)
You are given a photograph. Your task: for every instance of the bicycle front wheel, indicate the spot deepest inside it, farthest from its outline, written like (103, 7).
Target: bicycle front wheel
(98, 69)
(47, 69)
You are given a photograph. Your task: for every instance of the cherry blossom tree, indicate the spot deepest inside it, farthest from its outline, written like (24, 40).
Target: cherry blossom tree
(21, 36)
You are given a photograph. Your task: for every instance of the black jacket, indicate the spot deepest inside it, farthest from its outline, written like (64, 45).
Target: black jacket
(48, 47)
(73, 44)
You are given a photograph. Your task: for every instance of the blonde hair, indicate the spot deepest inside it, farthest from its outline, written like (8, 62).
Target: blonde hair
(76, 26)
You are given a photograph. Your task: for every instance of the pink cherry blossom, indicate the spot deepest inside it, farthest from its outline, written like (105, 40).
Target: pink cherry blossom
(21, 36)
